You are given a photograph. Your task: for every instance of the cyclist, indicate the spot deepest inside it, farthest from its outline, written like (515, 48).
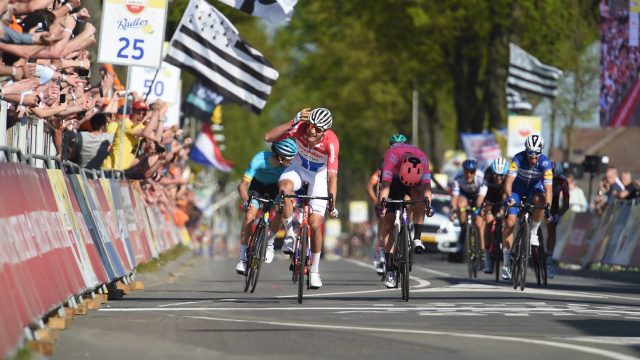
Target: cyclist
(493, 179)
(261, 179)
(530, 175)
(560, 186)
(317, 164)
(411, 166)
(373, 189)
(469, 190)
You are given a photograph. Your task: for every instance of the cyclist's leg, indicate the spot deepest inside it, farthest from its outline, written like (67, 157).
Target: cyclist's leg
(507, 236)
(488, 238)
(317, 187)
(417, 194)
(551, 244)
(537, 198)
(462, 215)
(289, 182)
(245, 234)
(385, 227)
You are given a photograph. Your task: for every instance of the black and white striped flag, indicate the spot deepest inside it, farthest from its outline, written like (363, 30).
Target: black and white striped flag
(529, 74)
(208, 45)
(274, 11)
(517, 101)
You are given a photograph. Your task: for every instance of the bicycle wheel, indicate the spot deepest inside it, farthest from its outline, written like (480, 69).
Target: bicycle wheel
(475, 251)
(524, 254)
(302, 264)
(404, 262)
(251, 252)
(466, 250)
(496, 252)
(542, 260)
(258, 258)
(515, 260)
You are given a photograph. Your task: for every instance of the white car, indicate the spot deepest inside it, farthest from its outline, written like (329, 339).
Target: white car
(438, 232)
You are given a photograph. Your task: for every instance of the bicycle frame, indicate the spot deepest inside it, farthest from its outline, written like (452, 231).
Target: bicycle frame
(521, 243)
(257, 244)
(495, 247)
(301, 257)
(471, 246)
(402, 254)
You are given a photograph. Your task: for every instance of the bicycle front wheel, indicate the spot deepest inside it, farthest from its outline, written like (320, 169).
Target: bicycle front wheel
(252, 253)
(475, 251)
(404, 262)
(466, 249)
(302, 262)
(260, 251)
(524, 254)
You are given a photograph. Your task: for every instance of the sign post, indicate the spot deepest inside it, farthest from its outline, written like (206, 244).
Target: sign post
(132, 34)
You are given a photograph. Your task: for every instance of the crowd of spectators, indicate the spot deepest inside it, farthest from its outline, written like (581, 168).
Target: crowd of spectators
(620, 63)
(613, 187)
(45, 74)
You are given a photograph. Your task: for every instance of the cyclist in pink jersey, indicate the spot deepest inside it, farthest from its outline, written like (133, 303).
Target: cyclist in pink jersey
(317, 164)
(411, 166)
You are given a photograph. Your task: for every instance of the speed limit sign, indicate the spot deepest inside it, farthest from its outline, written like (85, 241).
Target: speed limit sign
(132, 32)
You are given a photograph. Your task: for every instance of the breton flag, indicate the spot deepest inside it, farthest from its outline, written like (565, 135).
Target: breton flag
(274, 11)
(529, 74)
(205, 151)
(517, 101)
(209, 46)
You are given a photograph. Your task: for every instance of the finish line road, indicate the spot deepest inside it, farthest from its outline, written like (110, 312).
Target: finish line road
(203, 314)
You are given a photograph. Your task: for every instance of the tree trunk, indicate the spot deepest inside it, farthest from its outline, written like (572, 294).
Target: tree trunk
(496, 75)
(430, 107)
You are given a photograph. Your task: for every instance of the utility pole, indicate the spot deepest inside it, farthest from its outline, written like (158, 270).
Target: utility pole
(414, 115)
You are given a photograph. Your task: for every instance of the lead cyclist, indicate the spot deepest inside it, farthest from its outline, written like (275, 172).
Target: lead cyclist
(317, 164)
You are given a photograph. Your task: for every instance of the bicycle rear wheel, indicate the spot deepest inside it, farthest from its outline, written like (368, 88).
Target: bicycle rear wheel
(251, 257)
(466, 249)
(542, 260)
(404, 262)
(261, 249)
(302, 264)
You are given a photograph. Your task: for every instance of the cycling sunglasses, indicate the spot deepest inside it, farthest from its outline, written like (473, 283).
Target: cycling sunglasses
(533, 153)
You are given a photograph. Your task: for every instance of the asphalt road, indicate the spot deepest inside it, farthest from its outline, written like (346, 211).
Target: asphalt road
(201, 312)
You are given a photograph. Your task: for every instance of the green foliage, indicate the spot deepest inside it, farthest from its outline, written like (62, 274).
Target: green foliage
(360, 58)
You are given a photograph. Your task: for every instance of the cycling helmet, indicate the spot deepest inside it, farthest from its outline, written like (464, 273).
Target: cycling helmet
(500, 166)
(534, 144)
(470, 164)
(411, 171)
(321, 118)
(397, 138)
(285, 147)
(558, 170)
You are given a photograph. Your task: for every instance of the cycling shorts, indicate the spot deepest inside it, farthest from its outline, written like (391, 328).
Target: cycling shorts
(520, 191)
(317, 185)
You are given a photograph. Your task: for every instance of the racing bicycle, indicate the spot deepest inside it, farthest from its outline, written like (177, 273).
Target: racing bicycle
(301, 256)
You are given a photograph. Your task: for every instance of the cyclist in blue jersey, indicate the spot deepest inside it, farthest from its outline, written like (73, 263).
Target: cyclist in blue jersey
(530, 175)
(261, 178)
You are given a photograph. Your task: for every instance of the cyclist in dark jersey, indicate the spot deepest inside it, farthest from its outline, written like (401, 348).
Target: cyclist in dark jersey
(560, 186)
(493, 180)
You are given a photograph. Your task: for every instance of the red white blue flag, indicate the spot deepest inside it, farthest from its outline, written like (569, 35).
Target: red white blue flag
(206, 152)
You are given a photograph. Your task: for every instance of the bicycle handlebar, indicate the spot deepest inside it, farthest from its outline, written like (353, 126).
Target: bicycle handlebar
(427, 203)
(307, 198)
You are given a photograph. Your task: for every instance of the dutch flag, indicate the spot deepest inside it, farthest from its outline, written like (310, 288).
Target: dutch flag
(206, 152)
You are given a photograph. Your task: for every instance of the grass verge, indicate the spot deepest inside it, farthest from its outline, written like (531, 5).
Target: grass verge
(164, 258)
(23, 354)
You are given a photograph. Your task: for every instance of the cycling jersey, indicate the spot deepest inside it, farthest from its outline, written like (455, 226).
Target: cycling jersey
(322, 157)
(494, 190)
(528, 179)
(261, 169)
(393, 160)
(469, 190)
(528, 176)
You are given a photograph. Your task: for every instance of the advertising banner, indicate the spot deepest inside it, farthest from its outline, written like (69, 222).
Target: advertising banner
(519, 128)
(132, 32)
(600, 239)
(576, 246)
(613, 248)
(482, 147)
(166, 87)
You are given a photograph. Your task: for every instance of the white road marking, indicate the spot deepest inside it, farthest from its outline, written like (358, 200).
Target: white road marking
(612, 340)
(421, 282)
(481, 337)
(180, 303)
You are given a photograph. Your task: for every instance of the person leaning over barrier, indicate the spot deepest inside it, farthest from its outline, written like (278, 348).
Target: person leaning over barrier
(95, 143)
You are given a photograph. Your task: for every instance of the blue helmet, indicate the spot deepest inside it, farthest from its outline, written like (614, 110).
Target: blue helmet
(470, 165)
(500, 166)
(286, 147)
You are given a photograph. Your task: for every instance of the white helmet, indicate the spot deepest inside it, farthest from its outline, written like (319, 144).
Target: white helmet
(534, 144)
(500, 166)
(321, 117)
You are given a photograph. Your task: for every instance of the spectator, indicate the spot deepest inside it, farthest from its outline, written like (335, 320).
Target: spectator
(615, 187)
(95, 144)
(577, 200)
(630, 187)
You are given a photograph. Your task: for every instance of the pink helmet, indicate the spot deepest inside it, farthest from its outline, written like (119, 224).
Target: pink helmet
(411, 171)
